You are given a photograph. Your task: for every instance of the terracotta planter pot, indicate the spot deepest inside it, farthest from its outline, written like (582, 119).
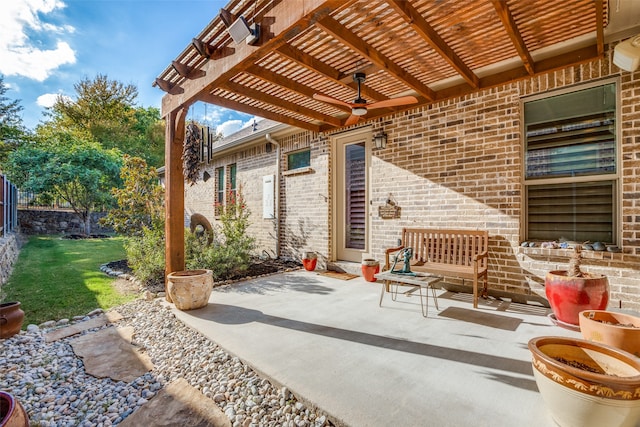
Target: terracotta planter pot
(568, 296)
(11, 318)
(309, 261)
(370, 267)
(190, 289)
(12, 414)
(309, 264)
(586, 384)
(609, 328)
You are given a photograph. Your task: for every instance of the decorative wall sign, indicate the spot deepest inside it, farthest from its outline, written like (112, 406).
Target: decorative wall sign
(389, 211)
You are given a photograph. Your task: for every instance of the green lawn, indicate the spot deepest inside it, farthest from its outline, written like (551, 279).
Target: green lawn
(56, 278)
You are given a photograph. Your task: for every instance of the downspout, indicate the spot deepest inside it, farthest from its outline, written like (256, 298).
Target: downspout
(277, 185)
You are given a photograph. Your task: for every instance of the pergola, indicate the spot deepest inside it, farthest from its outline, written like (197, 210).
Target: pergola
(432, 50)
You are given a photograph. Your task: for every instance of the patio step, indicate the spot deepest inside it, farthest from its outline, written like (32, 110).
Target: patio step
(345, 267)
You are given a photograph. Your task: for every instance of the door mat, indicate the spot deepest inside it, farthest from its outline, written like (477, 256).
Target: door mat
(338, 275)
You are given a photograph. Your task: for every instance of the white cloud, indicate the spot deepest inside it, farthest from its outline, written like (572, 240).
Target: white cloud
(23, 35)
(48, 99)
(229, 127)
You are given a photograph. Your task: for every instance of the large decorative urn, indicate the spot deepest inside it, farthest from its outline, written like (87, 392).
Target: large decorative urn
(190, 289)
(587, 384)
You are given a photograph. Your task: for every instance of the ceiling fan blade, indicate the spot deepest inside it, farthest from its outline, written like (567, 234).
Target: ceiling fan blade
(394, 102)
(352, 120)
(330, 99)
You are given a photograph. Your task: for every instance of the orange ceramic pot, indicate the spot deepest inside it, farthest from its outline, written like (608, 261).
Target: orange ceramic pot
(568, 296)
(11, 318)
(309, 264)
(616, 329)
(370, 267)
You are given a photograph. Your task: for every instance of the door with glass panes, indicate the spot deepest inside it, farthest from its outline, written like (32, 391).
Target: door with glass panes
(350, 194)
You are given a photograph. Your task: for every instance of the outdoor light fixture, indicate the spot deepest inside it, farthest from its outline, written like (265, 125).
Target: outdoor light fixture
(206, 176)
(380, 140)
(626, 54)
(238, 28)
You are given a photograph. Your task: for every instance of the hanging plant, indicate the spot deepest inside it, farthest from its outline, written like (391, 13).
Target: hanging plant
(191, 154)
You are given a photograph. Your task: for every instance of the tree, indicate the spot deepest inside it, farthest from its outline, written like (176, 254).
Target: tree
(104, 110)
(140, 202)
(78, 171)
(12, 131)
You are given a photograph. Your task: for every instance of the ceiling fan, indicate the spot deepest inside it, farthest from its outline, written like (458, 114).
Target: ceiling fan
(359, 106)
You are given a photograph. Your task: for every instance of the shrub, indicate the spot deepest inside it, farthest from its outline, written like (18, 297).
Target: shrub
(145, 255)
(230, 252)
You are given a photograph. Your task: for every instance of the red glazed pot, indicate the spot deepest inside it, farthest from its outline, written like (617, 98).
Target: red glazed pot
(370, 267)
(309, 264)
(568, 296)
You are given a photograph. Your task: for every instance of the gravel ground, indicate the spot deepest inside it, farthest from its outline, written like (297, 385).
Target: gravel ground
(51, 383)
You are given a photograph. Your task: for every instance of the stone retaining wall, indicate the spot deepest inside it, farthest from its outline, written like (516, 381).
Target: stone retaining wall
(57, 222)
(9, 250)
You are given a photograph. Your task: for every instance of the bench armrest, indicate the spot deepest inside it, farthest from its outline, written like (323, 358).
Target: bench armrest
(387, 265)
(479, 256)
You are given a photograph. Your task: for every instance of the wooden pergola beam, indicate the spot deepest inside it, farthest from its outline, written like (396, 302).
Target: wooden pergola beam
(516, 38)
(330, 73)
(174, 191)
(339, 32)
(579, 56)
(168, 87)
(599, 26)
(249, 109)
(187, 72)
(278, 102)
(293, 19)
(420, 25)
(282, 81)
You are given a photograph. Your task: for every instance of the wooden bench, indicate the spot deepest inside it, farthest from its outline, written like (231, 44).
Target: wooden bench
(453, 253)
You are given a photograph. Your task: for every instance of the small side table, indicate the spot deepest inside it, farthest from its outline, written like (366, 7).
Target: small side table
(417, 282)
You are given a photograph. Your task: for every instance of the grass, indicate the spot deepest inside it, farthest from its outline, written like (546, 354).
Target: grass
(57, 278)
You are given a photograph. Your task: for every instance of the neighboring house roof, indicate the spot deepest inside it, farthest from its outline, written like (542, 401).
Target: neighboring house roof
(249, 135)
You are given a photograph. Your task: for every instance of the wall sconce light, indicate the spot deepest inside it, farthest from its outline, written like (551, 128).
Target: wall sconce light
(206, 176)
(238, 28)
(380, 140)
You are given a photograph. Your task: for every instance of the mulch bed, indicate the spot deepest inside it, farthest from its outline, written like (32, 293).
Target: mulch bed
(258, 267)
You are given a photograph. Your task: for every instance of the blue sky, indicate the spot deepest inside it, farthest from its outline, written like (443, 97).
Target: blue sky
(47, 46)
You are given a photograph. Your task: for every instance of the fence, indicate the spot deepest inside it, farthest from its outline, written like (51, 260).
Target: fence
(8, 206)
(29, 200)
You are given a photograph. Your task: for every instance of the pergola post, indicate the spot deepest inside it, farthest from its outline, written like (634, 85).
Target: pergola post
(174, 192)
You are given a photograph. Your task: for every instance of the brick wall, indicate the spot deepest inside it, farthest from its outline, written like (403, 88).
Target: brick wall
(303, 217)
(453, 164)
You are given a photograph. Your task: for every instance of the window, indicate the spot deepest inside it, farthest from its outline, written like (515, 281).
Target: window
(570, 165)
(232, 183)
(299, 159)
(219, 191)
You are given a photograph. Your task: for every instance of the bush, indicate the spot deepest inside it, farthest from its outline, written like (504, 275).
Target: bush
(145, 255)
(228, 255)
(230, 252)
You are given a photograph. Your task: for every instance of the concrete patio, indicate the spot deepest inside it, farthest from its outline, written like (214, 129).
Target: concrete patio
(328, 341)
